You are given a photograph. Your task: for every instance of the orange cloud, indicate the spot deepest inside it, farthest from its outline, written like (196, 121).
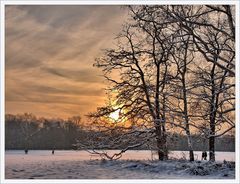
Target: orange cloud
(50, 51)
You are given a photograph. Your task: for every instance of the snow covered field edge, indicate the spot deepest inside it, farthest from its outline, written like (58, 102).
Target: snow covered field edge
(80, 165)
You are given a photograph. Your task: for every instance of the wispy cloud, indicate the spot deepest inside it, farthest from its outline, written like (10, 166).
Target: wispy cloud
(50, 51)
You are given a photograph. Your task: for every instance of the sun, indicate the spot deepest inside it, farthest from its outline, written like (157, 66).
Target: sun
(114, 115)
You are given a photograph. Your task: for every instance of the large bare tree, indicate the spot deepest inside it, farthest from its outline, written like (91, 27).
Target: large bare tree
(178, 103)
(142, 60)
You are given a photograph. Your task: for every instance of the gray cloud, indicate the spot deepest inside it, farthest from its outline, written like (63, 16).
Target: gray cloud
(66, 17)
(50, 51)
(85, 75)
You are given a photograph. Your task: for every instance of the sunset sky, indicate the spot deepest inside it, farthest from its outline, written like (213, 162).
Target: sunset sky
(50, 51)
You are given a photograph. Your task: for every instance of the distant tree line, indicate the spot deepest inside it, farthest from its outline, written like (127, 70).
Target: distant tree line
(26, 131)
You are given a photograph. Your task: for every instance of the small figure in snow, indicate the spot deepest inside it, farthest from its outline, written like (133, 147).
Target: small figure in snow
(53, 151)
(26, 151)
(204, 155)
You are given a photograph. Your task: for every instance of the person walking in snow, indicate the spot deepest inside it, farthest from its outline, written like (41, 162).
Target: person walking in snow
(26, 151)
(204, 155)
(53, 150)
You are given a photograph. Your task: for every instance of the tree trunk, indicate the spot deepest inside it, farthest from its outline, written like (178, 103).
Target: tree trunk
(164, 134)
(212, 149)
(212, 116)
(161, 145)
(189, 138)
(212, 138)
(160, 130)
(161, 135)
(190, 147)
(185, 103)
(164, 145)
(191, 154)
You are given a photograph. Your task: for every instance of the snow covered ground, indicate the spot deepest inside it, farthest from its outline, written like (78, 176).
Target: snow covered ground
(40, 164)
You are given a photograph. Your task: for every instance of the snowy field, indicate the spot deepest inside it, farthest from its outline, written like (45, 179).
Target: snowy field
(40, 164)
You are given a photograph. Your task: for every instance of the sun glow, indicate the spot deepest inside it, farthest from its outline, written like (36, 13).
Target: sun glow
(115, 115)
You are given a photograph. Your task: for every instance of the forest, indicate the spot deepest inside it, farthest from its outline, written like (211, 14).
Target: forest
(27, 131)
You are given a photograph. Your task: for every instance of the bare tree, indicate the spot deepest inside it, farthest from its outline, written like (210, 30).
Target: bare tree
(179, 97)
(198, 20)
(141, 59)
(29, 127)
(213, 33)
(218, 88)
(216, 98)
